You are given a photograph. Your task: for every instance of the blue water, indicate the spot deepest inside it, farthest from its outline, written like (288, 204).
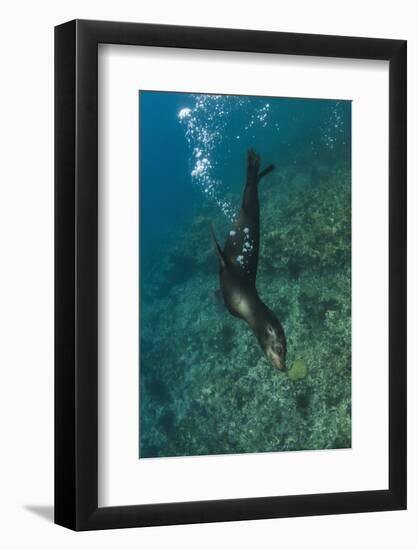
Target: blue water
(204, 386)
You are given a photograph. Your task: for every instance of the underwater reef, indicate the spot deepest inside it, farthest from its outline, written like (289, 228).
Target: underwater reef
(205, 387)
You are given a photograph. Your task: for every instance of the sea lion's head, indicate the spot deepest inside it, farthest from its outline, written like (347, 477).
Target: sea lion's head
(272, 340)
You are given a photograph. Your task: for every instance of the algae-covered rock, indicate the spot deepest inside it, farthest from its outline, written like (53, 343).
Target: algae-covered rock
(206, 388)
(298, 371)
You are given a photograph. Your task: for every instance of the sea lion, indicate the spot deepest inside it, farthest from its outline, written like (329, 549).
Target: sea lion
(238, 263)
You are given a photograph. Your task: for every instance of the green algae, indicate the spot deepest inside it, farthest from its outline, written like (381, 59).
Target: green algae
(298, 370)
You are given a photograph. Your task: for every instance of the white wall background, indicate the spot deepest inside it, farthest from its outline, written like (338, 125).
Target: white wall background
(26, 272)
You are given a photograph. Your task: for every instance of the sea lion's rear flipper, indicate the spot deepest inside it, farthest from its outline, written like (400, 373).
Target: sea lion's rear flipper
(265, 172)
(254, 164)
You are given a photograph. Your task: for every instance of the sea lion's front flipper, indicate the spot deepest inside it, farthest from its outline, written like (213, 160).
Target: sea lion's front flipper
(219, 251)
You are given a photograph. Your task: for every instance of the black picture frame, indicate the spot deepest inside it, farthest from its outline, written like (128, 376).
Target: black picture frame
(76, 272)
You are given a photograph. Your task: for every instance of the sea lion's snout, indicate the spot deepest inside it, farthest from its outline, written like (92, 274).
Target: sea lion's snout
(276, 357)
(272, 341)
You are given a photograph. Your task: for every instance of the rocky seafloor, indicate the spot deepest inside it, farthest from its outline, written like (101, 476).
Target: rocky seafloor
(205, 387)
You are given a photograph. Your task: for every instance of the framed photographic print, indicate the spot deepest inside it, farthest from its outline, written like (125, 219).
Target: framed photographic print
(230, 275)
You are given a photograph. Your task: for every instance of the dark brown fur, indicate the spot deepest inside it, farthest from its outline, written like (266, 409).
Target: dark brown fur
(238, 266)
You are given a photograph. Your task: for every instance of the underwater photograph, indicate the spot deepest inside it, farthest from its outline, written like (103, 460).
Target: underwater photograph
(245, 274)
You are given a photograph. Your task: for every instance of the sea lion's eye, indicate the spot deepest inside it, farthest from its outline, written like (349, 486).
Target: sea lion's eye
(270, 330)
